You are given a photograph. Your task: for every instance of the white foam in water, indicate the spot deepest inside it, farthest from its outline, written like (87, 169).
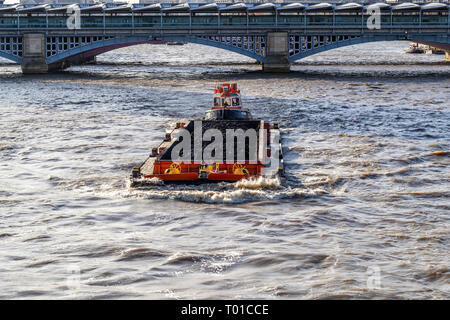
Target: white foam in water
(259, 189)
(259, 183)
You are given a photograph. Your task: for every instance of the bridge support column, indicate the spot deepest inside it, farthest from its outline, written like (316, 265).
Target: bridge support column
(277, 59)
(34, 54)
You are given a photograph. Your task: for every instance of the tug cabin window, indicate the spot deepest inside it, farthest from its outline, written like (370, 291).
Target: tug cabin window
(227, 102)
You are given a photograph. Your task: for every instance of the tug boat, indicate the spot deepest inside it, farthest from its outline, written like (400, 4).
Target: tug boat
(227, 145)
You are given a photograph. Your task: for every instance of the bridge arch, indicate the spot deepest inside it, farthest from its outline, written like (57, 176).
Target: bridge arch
(252, 46)
(11, 57)
(311, 45)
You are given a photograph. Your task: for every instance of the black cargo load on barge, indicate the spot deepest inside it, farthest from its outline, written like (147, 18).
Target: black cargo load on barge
(222, 126)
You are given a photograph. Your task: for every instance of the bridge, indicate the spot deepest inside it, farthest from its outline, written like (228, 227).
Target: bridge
(46, 37)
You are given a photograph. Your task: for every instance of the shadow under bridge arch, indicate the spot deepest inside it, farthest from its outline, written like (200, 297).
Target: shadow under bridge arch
(60, 48)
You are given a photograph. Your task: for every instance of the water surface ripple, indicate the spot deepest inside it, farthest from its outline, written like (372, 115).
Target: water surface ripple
(366, 139)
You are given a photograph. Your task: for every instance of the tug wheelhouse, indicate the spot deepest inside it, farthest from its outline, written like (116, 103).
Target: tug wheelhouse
(227, 104)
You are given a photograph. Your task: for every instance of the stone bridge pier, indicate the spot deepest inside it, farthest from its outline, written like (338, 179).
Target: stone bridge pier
(34, 56)
(277, 52)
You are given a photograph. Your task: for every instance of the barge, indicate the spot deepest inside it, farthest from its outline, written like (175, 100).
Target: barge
(227, 145)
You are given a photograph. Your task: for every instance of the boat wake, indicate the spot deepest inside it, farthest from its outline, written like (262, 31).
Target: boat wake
(251, 190)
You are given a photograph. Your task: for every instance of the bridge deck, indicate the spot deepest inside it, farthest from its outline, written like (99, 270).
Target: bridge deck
(221, 16)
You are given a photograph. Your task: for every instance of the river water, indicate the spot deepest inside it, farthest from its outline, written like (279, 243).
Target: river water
(365, 212)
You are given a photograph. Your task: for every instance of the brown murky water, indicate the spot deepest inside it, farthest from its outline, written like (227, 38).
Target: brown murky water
(364, 213)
